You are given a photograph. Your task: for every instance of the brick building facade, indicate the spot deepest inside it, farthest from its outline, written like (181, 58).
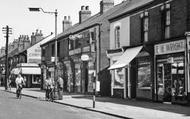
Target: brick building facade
(79, 73)
(160, 70)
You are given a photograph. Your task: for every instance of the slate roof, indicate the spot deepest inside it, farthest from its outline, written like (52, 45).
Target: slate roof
(131, 6)
(118, 10)
(97, 18)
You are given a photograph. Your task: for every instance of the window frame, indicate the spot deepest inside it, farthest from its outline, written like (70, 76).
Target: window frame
(117, 36)
(53, 50)
(144, 26)
(165, 21)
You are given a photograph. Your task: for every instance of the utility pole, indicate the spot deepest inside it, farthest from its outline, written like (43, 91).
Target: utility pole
(6, 30)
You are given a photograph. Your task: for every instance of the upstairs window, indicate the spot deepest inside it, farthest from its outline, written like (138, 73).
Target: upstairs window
(165, 21)
(43, 52)
(144, 27)
(71, 44)
(53, 50)
(117, 37)
(58, 49)
(78, 43)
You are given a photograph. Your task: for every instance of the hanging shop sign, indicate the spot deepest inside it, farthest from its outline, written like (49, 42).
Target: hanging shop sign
(84, 57)
(171, 47)
(52, 59)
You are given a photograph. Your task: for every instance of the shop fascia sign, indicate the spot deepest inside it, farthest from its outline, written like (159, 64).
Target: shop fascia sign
(76, 36)
(82, 34)
(170, 47)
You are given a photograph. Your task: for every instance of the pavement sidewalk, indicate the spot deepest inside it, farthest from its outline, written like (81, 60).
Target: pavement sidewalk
(117, 107)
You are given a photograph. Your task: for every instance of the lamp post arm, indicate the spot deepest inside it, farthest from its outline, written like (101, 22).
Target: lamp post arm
(48, 12)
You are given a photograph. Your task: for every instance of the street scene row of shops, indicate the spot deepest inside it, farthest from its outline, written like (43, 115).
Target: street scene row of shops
(135, 49)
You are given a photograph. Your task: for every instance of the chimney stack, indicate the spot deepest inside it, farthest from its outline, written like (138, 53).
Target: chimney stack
(66, 23)
(84, 13)
(106, 5)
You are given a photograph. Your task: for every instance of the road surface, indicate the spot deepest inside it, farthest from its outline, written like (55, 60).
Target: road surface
(30, 108)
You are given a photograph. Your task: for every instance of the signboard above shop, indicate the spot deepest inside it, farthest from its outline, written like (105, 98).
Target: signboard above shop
(170, 47)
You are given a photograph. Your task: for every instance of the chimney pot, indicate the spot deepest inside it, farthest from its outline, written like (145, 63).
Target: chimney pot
(87, 7)
(41, 32)
(69, 18)
(106, 5)
(66, 23)
(36, 31)
(65, 18)
(84, 13)
(82, 7)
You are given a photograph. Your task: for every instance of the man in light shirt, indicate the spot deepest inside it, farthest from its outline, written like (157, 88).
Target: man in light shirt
(19, 82)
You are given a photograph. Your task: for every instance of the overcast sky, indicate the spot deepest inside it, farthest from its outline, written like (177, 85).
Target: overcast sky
(15, 13)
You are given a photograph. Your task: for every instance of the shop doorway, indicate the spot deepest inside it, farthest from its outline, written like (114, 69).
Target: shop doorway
(164, 82)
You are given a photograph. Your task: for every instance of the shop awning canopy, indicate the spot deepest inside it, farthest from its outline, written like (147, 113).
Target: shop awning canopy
(26, 70)
(15, 71)
(126, 58)
(30, 70)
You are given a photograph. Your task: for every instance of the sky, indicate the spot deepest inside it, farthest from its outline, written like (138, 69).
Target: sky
(16, 15)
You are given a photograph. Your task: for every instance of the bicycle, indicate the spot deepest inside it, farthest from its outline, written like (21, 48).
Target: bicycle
(51, 95)
(18, 92)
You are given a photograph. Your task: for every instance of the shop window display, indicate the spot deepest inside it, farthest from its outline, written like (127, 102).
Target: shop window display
(78, 77)
(178, 90)
(171, 79)
(91, 76)
(36, 80)
(144, 82)
(118, 82)
(119, 78)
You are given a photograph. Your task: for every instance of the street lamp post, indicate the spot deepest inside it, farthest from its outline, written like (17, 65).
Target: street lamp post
(56, 60)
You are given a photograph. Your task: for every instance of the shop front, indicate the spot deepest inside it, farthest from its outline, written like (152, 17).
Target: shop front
(30, 72)
(124, 74)
(118, 76)
(171, 77)
(69, 73)
(82, 76)
(144, 80)
(118, 86)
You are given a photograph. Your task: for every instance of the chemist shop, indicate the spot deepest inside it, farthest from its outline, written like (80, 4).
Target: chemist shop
(171, 74)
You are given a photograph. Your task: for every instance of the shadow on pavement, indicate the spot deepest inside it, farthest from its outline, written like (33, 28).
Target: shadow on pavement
(185, 110)
(179, 109)
(12, 97)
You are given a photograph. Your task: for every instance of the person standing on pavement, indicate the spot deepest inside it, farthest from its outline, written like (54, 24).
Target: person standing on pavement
(19, 85)
(9, 82)
(49, 88)
(60, 87)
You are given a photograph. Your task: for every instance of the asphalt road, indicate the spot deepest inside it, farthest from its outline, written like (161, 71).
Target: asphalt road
(29, 108)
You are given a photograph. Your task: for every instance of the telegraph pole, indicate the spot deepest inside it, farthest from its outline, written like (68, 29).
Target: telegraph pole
(7, 31)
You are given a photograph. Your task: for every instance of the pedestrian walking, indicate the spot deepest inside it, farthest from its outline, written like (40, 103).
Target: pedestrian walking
(60, 87)
(49, 88)
(9, 82)
(19, 85)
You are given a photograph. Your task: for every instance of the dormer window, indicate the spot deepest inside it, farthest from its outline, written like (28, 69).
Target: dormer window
(117, 37)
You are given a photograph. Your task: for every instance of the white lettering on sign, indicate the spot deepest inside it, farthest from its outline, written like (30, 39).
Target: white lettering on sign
(34, 54)
(171, 47)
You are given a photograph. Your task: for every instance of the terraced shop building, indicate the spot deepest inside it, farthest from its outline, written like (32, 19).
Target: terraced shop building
(154, 63)
(82, 51)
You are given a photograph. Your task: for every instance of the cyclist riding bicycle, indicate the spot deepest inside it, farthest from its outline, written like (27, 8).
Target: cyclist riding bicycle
(19, 85)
